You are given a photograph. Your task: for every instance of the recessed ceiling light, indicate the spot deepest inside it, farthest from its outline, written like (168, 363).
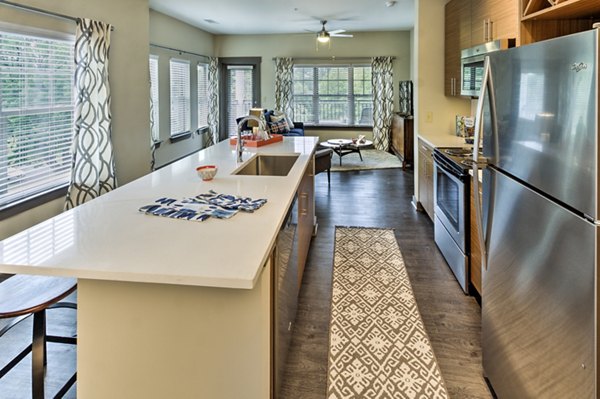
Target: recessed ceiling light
(390, 3)
(210, 21)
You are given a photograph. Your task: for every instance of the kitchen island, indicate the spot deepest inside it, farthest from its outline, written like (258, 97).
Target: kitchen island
(168, 307)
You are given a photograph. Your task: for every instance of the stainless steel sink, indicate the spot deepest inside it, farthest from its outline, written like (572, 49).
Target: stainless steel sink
(268, 165)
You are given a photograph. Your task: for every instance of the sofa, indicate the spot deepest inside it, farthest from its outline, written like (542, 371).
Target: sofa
(278, 126)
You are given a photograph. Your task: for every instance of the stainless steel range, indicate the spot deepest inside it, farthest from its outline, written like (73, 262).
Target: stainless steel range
(451, 198)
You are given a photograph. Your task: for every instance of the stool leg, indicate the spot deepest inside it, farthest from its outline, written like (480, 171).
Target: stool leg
(360, 155)
(328, 177)
(38, 354)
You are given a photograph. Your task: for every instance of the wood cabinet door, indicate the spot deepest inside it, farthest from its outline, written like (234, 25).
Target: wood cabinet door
(457, 37)
(480, 14)
(504, 18)
(494, 19)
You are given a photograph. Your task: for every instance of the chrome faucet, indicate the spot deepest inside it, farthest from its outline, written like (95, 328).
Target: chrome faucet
(239, 146)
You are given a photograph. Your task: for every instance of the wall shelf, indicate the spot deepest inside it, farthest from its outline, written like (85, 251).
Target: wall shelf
(560, 9)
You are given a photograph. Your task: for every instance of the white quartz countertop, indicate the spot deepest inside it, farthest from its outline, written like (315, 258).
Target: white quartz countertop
(109, 239)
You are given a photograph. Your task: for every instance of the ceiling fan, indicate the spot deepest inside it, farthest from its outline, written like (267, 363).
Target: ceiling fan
(323, 36)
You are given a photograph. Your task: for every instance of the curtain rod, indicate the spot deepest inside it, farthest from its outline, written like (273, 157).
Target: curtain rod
(177, 50)
(40, 11)
(332, 58)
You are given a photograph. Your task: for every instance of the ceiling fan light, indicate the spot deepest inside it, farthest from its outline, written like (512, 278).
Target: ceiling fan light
(323, 37)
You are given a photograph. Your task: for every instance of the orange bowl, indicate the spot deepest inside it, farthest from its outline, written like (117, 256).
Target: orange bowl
(207, 172)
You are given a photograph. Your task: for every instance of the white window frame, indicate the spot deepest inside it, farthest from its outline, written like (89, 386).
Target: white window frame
(314, 97)
(180, 94)
(36, 114)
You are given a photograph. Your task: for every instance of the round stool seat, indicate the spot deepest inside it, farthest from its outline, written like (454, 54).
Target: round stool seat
(24, 294)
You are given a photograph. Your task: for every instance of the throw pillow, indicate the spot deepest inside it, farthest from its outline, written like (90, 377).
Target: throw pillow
(279, 127)
(280, 114)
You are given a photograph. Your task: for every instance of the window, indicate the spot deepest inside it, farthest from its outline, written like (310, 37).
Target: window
(339, 95)
(180, 97)
(154, 105)
(202, 95)
(240, 93)
(36, 115)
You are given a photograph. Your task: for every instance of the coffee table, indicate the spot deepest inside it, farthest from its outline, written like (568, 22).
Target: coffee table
(345, 146)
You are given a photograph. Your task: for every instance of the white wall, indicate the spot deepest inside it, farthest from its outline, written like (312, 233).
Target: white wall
(302, 46)
(169, 32)
(128, 80)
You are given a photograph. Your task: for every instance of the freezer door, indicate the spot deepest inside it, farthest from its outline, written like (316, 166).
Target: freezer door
(538, 312)
(546, 117)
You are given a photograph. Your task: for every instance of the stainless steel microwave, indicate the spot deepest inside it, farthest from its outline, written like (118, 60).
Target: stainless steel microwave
(471, 65)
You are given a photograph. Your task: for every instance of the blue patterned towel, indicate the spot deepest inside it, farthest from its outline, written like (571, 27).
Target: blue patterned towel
(203, 206)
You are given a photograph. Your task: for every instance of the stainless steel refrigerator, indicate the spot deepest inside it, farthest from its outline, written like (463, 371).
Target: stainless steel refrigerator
(540, 215)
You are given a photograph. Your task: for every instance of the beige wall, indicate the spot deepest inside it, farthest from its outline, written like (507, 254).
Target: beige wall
(299, 46)
(169, 32)
(129, 87)
(434, 112)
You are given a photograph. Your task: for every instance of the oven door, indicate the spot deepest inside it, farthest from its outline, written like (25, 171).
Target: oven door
(449, 198)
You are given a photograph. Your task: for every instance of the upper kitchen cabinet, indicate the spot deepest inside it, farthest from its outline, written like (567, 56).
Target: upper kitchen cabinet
(494, 19)
(544, 19)
(457, 37)
(473, 22)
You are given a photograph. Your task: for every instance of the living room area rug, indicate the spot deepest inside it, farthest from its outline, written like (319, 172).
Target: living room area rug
(378, 346)
(372, 159)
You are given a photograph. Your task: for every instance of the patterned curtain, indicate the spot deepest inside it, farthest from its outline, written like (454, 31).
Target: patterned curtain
(383, 101)
(154, 139)
(283, 85)
(93, 165)
(213, 101)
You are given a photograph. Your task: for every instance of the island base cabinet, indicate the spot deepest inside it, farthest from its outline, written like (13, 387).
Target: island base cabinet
(142, 340)
(306, 217)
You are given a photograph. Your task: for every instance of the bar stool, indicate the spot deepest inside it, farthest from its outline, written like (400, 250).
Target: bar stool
(24, 295)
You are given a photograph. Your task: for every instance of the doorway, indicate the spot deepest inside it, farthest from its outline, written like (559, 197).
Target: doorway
(240, 80)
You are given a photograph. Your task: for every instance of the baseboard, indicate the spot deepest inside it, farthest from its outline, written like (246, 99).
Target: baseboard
(416, 204)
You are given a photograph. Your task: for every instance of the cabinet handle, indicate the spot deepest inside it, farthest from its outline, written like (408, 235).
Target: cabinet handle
(490, 30)
(485, 24)
(452, 91)
(303, 204)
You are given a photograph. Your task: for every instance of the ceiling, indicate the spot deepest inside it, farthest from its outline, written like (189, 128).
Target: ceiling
(231, 17)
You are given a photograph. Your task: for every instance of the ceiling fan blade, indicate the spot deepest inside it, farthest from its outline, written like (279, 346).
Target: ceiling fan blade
(339, 35)
(334, 32)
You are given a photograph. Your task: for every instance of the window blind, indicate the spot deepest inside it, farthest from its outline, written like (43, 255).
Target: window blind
(180, 96)
(202, 95)
(154, 96)
(36, 115)
(333, 95)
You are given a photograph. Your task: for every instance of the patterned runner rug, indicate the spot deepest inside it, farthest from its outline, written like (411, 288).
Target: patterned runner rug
(378, 346)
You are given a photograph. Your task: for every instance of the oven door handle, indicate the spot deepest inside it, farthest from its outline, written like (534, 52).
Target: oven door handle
(487, 88)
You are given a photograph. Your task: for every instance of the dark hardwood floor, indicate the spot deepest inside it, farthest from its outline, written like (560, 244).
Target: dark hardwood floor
(382, 198)
(367, 198)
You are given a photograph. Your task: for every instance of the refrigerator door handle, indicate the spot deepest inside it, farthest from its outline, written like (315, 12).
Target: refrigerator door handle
(486, 88)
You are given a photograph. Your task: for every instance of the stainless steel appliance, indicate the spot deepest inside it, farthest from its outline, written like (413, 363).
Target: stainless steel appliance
(471, 63)
(538, 115)
(451, 203)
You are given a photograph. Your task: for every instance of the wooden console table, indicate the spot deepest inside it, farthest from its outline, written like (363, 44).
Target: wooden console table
(401, 139)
